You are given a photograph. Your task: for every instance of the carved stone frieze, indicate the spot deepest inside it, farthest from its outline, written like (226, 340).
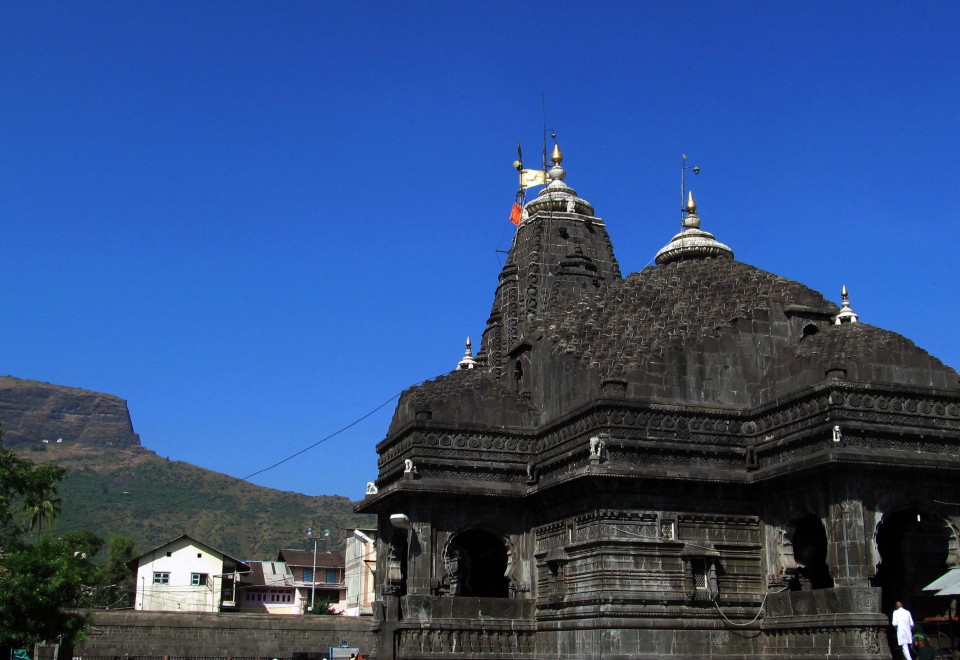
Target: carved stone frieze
(462, 641)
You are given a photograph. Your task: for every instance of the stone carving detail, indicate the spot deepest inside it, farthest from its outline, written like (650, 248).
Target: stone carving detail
(867, 601)
(778, 604)
(532, 475)
(803, 602)
(466, 641)
(457, 566)
(871, 640)
(834, 601)
(820, 601)
(598, 449)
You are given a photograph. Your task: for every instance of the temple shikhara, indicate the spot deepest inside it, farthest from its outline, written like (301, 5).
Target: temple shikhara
(702, 459)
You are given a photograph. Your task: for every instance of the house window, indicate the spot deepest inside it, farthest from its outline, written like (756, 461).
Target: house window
(331, 576)
(308, 575)
(161, 577)
(198, 579)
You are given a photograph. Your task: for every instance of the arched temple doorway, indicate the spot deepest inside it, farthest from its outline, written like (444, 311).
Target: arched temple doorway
(476, 564)
(914, 547)
(809, 541)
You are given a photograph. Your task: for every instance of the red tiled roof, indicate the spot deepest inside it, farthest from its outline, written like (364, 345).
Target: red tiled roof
(326, 559)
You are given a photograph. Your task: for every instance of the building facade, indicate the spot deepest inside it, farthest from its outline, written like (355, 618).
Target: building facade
(360, 556)
(269, 588)
(319, 577)
(700, 459)
(185, 575)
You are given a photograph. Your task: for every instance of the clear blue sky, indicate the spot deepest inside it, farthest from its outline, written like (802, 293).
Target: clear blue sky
(258, 221)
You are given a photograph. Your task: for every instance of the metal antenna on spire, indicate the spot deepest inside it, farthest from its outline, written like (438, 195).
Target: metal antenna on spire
(683, 186)
(553, 135)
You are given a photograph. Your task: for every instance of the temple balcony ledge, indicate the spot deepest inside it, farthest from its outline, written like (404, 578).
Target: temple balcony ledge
(466, 610)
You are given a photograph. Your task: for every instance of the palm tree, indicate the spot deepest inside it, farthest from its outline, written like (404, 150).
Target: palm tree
(42, 505)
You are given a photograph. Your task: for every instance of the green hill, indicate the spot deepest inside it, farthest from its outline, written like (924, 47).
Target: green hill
(116, 486)
(151, 500)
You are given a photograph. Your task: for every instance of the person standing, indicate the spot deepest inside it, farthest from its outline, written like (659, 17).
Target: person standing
(903, 622)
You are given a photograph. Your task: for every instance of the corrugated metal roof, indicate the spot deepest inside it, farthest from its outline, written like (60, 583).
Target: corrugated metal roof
(947, 584)
(950, 590)
(268, 574)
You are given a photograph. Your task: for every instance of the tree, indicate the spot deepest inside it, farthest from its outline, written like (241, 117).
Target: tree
(38, 583)
(119, 585)
(22, 481)
(41, 505)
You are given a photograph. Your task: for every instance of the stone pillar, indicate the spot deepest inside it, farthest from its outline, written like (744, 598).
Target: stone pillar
(419, 558)
(846, 544)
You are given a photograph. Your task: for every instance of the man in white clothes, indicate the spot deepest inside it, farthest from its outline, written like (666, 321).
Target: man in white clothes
(903, 622)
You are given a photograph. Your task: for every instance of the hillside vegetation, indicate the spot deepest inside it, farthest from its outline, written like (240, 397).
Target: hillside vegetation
(136, 493)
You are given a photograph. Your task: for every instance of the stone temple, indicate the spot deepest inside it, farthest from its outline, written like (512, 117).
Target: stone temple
(702, 459)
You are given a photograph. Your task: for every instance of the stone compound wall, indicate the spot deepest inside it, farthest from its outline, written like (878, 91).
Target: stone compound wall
(130, 634)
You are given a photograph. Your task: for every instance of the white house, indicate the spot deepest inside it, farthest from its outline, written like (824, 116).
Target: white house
(187, 575)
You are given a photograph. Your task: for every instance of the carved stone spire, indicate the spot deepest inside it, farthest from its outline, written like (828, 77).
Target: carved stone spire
(560, 252)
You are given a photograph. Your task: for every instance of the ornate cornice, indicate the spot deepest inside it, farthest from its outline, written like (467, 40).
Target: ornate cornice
(729, 444)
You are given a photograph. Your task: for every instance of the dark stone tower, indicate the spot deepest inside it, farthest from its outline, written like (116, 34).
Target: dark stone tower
(702, 459)
(561, 251)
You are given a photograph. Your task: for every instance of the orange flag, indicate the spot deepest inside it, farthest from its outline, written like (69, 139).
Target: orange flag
(515, 214)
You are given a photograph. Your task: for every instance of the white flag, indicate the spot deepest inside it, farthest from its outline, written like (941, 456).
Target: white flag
(531, 178)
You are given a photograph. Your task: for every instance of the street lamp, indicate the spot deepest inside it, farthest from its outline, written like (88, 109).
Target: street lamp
(309, 531)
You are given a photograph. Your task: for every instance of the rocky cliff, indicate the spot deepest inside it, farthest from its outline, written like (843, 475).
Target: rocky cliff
(114, 485)
(32, 412)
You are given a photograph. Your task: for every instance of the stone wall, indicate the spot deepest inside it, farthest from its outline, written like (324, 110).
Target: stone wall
(130, 634)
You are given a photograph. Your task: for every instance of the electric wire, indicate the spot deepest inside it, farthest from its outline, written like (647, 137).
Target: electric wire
(211, 493)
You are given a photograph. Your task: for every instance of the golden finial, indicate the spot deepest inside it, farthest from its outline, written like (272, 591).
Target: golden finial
(556, 156)
(691, 205)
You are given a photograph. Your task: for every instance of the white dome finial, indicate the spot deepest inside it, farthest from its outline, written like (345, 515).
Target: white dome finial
(846, 315)
(468, 361)
(692, 242)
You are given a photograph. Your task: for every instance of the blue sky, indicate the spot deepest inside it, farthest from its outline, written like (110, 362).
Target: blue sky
(256, 222)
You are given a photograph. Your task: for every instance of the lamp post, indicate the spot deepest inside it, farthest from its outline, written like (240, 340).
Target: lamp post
(311, 536)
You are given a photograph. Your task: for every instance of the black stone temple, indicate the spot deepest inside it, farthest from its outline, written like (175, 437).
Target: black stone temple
(702, 459)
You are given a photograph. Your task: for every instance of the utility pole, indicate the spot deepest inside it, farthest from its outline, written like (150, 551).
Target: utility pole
(313, 575)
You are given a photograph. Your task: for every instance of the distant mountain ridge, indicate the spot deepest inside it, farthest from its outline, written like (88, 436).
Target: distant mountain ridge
(115, 485)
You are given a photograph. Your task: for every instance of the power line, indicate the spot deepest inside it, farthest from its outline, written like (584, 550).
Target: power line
(210, 493)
